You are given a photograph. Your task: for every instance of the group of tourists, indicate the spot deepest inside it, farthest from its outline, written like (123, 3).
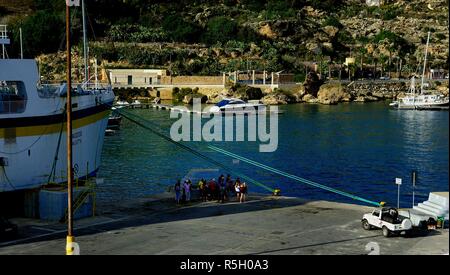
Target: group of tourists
(222, 190)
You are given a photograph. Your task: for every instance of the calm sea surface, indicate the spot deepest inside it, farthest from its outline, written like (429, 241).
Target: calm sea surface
(357, 148)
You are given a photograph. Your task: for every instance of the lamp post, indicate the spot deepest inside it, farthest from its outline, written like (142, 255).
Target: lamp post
(414, 178)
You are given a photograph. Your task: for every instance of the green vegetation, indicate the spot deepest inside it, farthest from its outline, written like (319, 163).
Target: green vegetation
(129, 93)
(332, 21)
(136, 34)
(440, 36)
(44, 31)
(220, 29)
(289, 95)
(180, 94)
(386, 12)
(208, 37)
(396, 42)
(180, 29)
(3, 11)
(246, 92)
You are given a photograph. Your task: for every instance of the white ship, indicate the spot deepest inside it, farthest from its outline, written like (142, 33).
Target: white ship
(33, 126)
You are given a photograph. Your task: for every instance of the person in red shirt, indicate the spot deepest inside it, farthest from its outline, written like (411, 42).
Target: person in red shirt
(212, 188)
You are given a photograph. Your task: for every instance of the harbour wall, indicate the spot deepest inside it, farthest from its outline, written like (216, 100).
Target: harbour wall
(360, 91)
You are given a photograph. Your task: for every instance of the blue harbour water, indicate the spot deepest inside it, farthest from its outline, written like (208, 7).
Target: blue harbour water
(357, 148)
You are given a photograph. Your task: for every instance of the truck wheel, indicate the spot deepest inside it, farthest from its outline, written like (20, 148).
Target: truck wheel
(366, 225)
(386, 232)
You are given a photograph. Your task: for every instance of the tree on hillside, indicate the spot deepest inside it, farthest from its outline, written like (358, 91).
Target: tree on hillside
(43, 33)
(220, 29)
(180, 30)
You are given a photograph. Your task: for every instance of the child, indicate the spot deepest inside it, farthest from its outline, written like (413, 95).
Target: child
(237, 188)
(187, 190)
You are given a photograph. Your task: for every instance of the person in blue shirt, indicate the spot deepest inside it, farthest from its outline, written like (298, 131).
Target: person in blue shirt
(178, 191)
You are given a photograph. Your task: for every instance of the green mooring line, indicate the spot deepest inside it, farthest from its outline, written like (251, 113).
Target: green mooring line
(296, 178)
(254, 163)
(189, 149)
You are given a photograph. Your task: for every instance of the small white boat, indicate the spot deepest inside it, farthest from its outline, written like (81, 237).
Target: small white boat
(136, 103)
(122, 104)
(237, 105)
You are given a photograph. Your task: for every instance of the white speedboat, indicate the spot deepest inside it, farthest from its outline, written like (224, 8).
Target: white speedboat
(136, 103)
(237, 105)
(121, 104)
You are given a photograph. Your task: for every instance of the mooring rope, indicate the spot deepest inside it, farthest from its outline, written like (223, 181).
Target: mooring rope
(193, 151)
(246, 160)
(296, 178)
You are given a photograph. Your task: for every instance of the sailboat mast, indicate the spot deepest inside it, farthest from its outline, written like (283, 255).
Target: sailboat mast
(425, 63)
(85, 44)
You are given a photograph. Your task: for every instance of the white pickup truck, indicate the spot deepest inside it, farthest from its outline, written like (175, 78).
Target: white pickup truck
(388, 220)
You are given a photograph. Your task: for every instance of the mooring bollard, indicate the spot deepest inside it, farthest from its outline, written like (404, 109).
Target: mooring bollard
(277, 192)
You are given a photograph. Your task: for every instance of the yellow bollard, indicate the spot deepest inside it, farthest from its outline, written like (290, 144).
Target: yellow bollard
(277, 192)
(69, 245)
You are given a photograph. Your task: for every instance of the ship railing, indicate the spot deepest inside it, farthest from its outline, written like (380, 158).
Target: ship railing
(56, 90)
(94, 86)
(48, 90)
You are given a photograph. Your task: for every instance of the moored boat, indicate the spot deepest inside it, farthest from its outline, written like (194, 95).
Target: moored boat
(32, 131)
(425, 100)
(237, 105)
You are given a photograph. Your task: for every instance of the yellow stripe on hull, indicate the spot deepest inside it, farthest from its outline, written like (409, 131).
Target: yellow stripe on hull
(54, 128)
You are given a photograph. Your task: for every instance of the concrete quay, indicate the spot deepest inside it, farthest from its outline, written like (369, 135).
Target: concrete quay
(264, 225)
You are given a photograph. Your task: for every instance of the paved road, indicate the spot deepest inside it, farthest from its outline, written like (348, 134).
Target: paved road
(262, 226)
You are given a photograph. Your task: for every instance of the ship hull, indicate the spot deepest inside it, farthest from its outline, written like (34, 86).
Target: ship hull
(423, 106)
(35, 154)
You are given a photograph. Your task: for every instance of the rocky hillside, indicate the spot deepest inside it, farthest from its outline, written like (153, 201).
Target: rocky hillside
(206, 37)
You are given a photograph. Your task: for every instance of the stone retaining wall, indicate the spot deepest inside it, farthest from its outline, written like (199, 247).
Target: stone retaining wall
(192, 80)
